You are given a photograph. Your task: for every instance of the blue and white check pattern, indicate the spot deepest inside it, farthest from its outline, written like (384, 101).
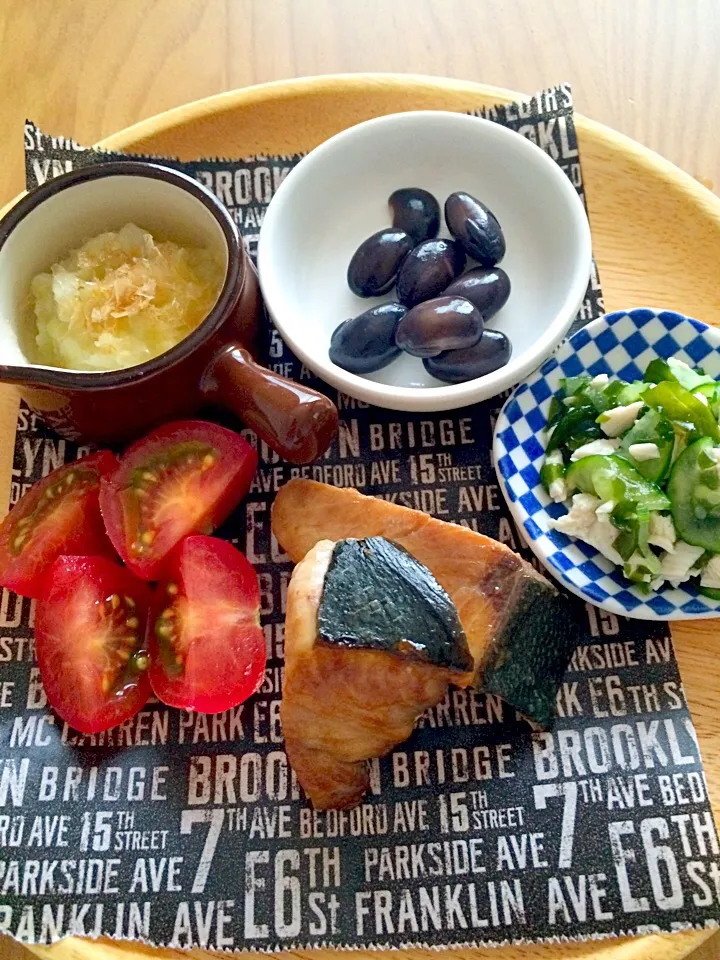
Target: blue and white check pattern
(622, 345)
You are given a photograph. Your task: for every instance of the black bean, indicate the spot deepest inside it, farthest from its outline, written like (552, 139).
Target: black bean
(366, 343)
(445, 323)
(476, 227)
(490, 353)
(415, 211)
(428, 269)
(487, 287)
(376, 261)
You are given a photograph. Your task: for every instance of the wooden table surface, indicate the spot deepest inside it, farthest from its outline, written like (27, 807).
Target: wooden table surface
(86, 68)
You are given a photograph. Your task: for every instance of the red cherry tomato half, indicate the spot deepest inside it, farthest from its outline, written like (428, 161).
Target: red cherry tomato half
(183, 478)
(58, 516)
(90, 630)
(207, 647)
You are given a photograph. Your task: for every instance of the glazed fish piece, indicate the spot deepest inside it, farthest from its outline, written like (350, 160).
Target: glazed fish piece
(371, 641)
(520, 630)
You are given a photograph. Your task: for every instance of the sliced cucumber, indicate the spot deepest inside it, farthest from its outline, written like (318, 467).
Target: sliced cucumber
(694, 495)
(652, 427)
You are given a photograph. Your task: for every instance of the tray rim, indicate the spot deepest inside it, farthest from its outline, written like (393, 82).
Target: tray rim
(301, 87)
(635, 948)
(342, 82)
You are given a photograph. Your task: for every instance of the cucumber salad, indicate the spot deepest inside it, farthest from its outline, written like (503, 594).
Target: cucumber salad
(638, 465)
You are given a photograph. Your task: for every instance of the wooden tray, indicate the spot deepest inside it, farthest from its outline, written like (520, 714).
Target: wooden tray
(656, 237)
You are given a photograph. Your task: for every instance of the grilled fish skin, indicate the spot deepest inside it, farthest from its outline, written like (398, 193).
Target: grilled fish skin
(342, 707)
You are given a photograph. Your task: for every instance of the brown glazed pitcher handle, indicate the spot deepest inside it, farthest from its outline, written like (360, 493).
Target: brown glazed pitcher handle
(295, 421)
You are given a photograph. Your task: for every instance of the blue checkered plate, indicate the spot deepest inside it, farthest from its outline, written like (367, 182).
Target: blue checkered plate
(622, 345)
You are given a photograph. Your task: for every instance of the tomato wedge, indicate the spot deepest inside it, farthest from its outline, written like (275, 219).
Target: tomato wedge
(89, 638)
(207, 647)
(59, 515)
(183, 478)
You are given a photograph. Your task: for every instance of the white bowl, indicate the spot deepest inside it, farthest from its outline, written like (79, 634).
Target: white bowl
(337, 196)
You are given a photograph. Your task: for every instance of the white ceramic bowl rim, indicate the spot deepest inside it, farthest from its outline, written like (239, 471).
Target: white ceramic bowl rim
(453, 395)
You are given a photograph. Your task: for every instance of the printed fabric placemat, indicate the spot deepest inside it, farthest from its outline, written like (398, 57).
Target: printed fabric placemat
(188, 830)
